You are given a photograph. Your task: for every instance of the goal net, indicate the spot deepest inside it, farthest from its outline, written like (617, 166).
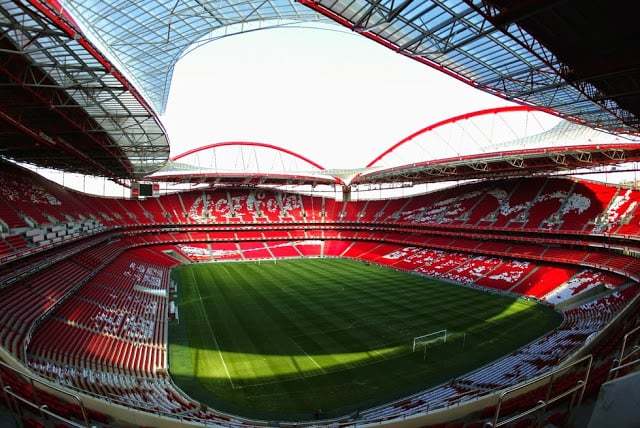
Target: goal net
(429, 339)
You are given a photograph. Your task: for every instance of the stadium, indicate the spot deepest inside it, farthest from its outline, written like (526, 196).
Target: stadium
(482, 271)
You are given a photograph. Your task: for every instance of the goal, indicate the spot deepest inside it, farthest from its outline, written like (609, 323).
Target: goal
(429, 339)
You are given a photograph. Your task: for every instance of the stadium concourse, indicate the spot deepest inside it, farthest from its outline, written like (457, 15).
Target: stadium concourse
(90, 288)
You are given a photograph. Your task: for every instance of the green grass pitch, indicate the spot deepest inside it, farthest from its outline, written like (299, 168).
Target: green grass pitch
(279, 341)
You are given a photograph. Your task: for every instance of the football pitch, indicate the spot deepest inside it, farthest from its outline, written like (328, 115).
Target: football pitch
(280, 341)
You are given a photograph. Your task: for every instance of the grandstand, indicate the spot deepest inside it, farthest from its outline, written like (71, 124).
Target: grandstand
(313, 298)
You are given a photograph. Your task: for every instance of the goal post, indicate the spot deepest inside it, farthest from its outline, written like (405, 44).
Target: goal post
(427, 339)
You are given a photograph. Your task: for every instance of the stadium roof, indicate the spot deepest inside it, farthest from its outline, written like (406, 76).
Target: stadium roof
(488, 165)
(148, 37)
(64, 106)
(503, 142)
(498, 142)
(512, 163)
(546, 53)
(576, 57)
(244, 163)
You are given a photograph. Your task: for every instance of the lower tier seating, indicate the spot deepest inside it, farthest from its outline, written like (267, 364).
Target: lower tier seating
(24, 302)
(109, 338)
(530, 360)
(518, 276)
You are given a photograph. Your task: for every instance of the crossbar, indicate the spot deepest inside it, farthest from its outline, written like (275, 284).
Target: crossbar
(418, 339)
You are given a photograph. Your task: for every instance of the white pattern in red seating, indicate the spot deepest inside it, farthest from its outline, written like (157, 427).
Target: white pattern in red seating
(581, 282)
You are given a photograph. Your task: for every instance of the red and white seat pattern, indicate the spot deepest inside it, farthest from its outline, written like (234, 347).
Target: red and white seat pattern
(543, 280)
(110, 337)
(506, 275)
(117, 320)
(599, 311)
(154, 393)
(583, 281)
(24, 302)
(522, 277)
(31, 206)
(107, 329)
(109, 340)
(534, 203)
(250, 250)
(535, 279)
(531, 360)
(253, 206)
(547, 203)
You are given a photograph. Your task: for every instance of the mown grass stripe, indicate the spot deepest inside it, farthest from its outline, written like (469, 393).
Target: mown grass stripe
(278, 324)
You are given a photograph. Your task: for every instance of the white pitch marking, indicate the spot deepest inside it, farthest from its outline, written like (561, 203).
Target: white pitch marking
(309, 356)
(224, 364)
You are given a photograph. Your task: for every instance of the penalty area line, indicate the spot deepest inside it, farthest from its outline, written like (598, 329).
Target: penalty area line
(309, 356)
(213, 334)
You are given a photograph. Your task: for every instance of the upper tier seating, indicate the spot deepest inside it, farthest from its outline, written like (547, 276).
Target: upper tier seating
(36, 213)
(28, 200)
(533, 203)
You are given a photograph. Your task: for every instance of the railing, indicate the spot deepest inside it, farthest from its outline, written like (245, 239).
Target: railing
(623, 362)
(541, 405)
(57, 257)
(550, 379)
(70, 292)
(42, 409)
(615, 372)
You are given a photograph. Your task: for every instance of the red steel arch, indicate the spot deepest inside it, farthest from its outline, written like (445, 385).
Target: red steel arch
(249, 144)
(485, 112)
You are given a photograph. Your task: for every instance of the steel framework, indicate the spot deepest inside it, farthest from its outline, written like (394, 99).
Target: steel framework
(148, 37)
(183, 168)
(449, 121)
(513, 163)
(64, 106)
(527, 147)
(487, 47)
(484, 43)
(475, 151)
(96, 122)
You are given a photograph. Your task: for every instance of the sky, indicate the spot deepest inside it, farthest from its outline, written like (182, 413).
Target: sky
(333, 96)
(327, 93)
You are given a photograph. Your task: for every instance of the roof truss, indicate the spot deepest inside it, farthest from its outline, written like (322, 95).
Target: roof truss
(57, 85)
